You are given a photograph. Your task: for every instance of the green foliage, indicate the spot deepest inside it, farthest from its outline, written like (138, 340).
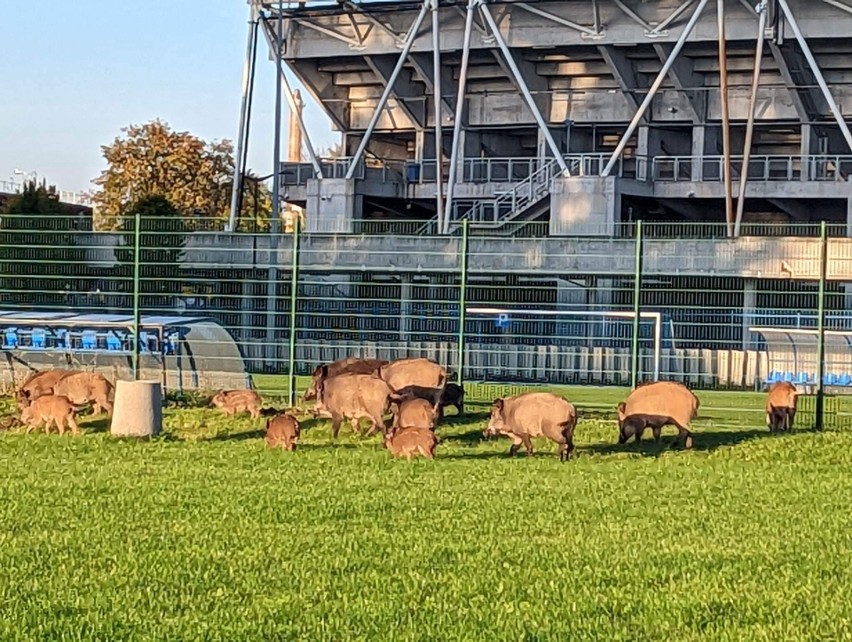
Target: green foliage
(40, 265)
(162, 238)
(206, 534)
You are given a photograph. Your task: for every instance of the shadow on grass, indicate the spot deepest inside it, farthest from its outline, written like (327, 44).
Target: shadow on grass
(702, 442)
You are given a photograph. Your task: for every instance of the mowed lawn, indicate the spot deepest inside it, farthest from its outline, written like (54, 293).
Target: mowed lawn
(205, 534)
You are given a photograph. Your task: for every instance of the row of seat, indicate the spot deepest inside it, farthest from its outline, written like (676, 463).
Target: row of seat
(807, 379)
(62, 340)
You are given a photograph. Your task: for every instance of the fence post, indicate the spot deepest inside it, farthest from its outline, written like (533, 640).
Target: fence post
(820, 365)
(137, 250)
(294, 301)
(462, 301)
(637, 307)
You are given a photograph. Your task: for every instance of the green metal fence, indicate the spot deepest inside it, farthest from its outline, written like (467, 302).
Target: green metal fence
(501, 306)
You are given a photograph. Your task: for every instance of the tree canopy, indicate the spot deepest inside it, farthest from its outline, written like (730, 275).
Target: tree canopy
(194, 176)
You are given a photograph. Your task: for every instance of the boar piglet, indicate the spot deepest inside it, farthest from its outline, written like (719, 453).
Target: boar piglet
(781, 404)
(283, 431)
(50, 409)
(414, 412)
(233, 401)
(412, 441)
(534, 414)
(86, 387)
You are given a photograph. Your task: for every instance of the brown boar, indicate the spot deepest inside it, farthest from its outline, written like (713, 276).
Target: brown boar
(85, 387)
(233, 401)
(352, 365)
(781, 404)
(282, 431)
(534, 414)
(417, 375)
(39, 384)
(414, 412)
(354, 397)
(50, 409)
(411, 441)
(654, 405)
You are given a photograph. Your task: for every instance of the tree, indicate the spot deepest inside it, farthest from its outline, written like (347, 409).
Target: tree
(162, 237)
(153, 160)
(41, 264)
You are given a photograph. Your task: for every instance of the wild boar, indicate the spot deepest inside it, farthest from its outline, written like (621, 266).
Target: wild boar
(39, 384)
(781, 404)
(412, 441)
(50, 409)
(414, 412)
(534, 414)
(282, 431)
(654, 405)
(85, 387)
(352, 365)
(233, 401)
(453, 396)
(354, 397)
(417, 375)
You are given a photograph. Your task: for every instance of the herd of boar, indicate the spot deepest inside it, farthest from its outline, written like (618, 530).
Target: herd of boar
(416, 391)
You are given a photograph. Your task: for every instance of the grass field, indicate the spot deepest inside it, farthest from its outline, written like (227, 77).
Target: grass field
(205, 534)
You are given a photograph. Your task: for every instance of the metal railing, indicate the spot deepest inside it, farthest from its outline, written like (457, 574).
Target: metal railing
(819, 168)
(299, 173)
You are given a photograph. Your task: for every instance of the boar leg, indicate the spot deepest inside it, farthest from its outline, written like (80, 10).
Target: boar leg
(60, 423)
(686, 436)
(336, 420)
(516, 445)
(527, 444)
(75, 429)
(657, 430)
(568, 448)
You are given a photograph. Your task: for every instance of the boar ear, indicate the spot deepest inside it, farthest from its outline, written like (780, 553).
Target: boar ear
(324, 371)
(498, 403)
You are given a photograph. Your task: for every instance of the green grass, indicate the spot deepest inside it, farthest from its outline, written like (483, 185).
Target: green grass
(205, 534)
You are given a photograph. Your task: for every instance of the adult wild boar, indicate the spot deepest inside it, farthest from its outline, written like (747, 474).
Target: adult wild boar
(85, 387)
(654, 405)
(781, 404)
(353, 365)
(534, 414)
(412, 441)
(39, 384)
(50, 409)
(282, 431)
(414, 412)
(233, 401)
(421, 377)
(453, 396)
(354, 397)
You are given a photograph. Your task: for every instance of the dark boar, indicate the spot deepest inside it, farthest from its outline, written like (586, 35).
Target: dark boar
(354, 397)
(408, 442)
(50, 409)
(39, 384)
(781, 404)
(534, 414)
(414, 412)
(654, 405)
(233, 401)
(86, 387)
(351, 365)
(282, 431)
(453, 396)
(417, 376)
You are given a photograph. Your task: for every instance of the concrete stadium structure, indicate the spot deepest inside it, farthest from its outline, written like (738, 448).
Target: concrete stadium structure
(581, 113)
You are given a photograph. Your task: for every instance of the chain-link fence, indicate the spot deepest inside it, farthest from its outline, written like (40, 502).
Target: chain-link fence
(494, 306)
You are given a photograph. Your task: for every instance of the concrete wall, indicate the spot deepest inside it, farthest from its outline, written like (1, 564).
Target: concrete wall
(584, 206)
(332, 205)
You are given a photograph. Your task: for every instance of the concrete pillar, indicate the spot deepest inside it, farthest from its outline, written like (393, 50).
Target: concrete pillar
(584, 206)
(749, 309)
(332, 205)
(138, 410)
(699, 133)
(806, 151)
(406, 308)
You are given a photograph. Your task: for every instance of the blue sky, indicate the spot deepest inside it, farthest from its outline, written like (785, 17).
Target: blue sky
(75, 73)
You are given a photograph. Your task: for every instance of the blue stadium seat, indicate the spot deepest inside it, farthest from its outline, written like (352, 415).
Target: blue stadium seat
(113, 342)
(90, 340)
(788, 377)
(10, 338)
(39, 339)
(804, 378)
(830, 379)
(844, 380)
(773, 377)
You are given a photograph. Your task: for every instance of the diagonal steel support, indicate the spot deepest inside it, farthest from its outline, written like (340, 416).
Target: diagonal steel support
(522, 85)
(436, 100)
(457, 124)
(374, 119)
(558, 19)
(809, 56)
(763, 10)
(677, 13)
(631, 128)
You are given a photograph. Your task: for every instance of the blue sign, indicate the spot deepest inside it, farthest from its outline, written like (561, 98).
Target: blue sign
(502, 321)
